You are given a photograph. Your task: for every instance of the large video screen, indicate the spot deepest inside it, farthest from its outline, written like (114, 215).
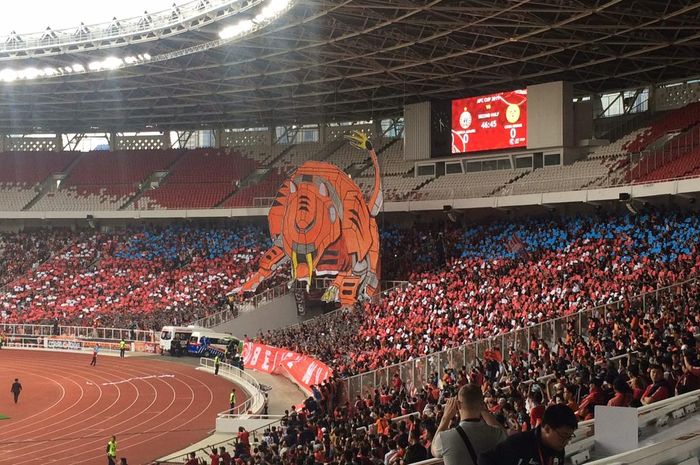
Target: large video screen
(489, 122)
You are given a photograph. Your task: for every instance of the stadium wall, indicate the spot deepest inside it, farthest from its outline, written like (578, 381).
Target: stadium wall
(550, 116)
(417, 131)
(278, 313)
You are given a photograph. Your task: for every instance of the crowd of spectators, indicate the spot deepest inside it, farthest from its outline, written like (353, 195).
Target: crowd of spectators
(23, 251)
(568, 264)
(141, 277)
(629, 355)
(626, 356)
(149, 276)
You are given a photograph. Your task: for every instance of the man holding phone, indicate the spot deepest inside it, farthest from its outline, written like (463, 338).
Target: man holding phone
(477, 431)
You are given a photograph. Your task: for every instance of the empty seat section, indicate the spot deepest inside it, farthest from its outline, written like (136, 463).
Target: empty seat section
(255, 194)
(201, 179)
(467, 185)
(21, 174)
(675, 120)
(686, 165)
(104, 180)
(298, 154)
(13, 197)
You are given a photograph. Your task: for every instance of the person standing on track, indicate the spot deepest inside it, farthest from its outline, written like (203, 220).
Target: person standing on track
(16, 389)
(112, 451)
(232, 400)
(122, 347)
(217, 364)
(95, 351)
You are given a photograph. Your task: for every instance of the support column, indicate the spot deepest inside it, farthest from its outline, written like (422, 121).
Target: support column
(167, 143)
(59, 142)
(219, 134)
(322, 134)
(113, 141)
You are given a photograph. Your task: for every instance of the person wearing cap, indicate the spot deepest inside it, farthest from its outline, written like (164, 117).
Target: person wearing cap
(476, 432)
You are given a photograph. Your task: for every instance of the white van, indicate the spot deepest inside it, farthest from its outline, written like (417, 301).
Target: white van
(168, 333)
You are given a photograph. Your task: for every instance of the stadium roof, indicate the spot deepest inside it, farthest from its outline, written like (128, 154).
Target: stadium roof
(344, 60)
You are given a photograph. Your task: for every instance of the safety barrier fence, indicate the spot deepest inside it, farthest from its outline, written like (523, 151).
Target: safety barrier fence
(255, 437)
(79, 332)
(248, 305)
(257, 397)
(417, 372)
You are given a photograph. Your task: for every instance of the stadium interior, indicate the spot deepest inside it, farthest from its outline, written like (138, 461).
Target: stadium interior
(539, 232)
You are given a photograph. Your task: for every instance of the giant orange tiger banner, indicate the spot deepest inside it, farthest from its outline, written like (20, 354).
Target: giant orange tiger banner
(321, 222)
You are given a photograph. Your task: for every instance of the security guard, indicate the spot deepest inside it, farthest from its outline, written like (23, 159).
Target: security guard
(112, 451)
(232, 399)
(217, 363)
(122, 348)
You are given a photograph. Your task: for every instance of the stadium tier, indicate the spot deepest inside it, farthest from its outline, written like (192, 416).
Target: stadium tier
(203, 178)
(229, 178)
(170, 274)
(565, 265)
(673, 121)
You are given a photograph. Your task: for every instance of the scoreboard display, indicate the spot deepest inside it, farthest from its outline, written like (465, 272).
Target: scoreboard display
(489, 122)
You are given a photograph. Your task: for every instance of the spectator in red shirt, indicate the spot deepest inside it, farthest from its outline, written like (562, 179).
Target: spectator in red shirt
(623, 393)
(690, 379)
(659, 389)
(214, 456)
(537, 411)
(192, 460)
(595, 397)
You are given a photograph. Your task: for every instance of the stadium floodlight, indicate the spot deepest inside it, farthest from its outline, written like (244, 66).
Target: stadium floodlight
(30, 73)
(269, 12)
(50, 71)
(146, 56)
(112, 63)
(130, 60)
(8, 75)
(240, 28)
(95, 66)
(78, 68)
(275, 7)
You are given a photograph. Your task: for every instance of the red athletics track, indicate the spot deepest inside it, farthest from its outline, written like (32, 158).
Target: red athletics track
(68, 410)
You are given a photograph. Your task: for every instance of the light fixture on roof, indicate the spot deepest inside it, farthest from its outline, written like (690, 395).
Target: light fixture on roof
(273, 9)
(8, 75)
(30, 73)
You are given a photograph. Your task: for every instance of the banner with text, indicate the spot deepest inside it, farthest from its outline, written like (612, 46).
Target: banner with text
(304, 370)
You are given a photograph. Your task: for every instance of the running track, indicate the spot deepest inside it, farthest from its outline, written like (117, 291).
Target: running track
(68, 410)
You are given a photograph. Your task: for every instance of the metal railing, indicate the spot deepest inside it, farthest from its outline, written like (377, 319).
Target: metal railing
(417, 372)
(80, 332)
(248, 305)
(275, 420)
(235, 373)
